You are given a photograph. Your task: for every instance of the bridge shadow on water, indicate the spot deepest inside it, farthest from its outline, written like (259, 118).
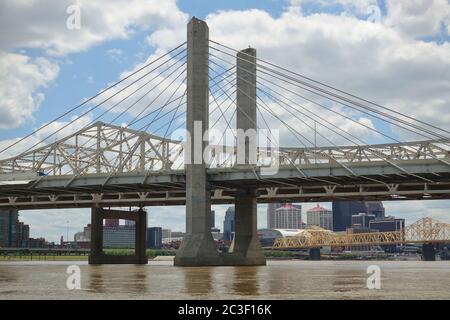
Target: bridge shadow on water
(215, 282)
(105, 279)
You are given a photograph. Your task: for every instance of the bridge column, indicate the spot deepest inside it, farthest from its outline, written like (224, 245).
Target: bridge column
(140, 237)
(428, 252)
(96, 254)
(198, 247)
(246, 248)
(314, 254)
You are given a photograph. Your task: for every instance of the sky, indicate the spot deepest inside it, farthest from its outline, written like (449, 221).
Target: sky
(394, 52)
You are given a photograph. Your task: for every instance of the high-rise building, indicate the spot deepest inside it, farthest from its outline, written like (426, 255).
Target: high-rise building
(320, 217)
(8, 227)
(228, 224)
(288, 217)
(154, 238)
(362, 219)
(13, 233)
(213, 219)
(343, 212)
(119, 237)
(376, 208)
(114, 223)
(271, 207)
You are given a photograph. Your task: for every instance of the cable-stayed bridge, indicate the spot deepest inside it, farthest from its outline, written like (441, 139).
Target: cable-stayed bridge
(321, 144)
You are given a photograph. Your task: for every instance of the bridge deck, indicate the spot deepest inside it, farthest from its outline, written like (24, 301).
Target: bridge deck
(373, 181)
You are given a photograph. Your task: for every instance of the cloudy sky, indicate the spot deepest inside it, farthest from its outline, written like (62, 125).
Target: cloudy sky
(394, 52)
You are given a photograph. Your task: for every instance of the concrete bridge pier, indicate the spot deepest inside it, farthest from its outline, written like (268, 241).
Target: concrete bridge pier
(97, 256)
(198, 247)
(314, 254)
(246, 248)
(428, 252)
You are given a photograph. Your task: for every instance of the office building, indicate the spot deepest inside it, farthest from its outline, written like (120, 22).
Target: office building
(343, 212)
(362, 219)
(85, 235)
(13, 233)
(320, 217)
(288, 217)
(228, 224)
(375, 208)
(154, 238)
(122, 237)
(387, 224)
(111, 223)
(271, 207)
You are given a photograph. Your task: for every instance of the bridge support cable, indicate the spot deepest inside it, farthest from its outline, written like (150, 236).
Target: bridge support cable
(384, 158)
(269, 180)
(96, 106)
(146, 128)
(116, 104)
(92, 98)
(107, 136)
(142, 86)
(127, 109)
(395, 124)
(332, 91)
(349, 118)
(340, 114)
(374, 115)
(275, 181)
(348, 169)
(298, 133)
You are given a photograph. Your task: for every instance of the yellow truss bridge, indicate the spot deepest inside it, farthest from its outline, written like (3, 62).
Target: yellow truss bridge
(426, 230)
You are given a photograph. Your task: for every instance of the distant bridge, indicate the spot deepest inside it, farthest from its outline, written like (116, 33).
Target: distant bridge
(426, 230)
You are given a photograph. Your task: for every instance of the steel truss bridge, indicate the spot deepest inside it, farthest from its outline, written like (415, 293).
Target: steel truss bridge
(143, 173)
(135, 167)
(426, 230)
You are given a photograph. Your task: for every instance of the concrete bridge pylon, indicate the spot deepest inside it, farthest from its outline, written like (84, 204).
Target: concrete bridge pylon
(198, 247)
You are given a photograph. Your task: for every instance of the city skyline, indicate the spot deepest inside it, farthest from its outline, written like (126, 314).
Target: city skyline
(78, 218)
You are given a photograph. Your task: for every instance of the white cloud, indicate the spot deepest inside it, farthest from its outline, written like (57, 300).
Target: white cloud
(418, 18)
(371, 60)
(20, 81)
(31, 24)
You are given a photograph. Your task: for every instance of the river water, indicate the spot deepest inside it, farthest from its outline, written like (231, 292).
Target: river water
(277, 280)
